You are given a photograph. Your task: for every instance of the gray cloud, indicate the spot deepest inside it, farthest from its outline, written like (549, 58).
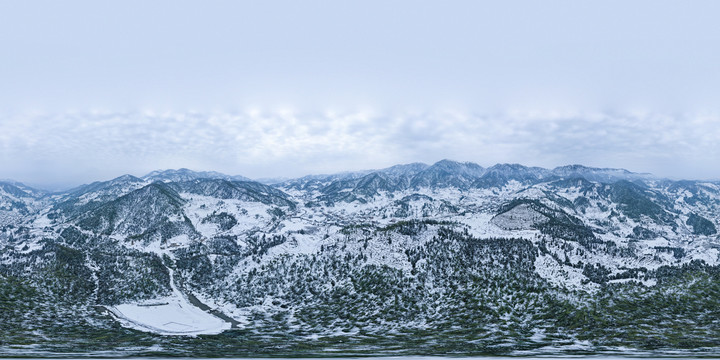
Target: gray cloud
(483, 56)
(79, 147)
(528, 82)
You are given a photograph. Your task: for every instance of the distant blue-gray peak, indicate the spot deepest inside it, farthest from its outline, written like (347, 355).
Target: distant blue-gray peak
(186, 175)
(442, 173)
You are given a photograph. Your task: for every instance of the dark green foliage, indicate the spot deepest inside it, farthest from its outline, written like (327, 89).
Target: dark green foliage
(501, 174)
(74, 203)
(581, 203)
(59, 270)
(559, 224)
(146, 214)
(679, 313)
(419, 286)
(276, 212)
(463, 295)
(634, 201)
(642, 233)
(358, 189)
(224, 220)
(412, 227)
(596, 273)
(238, 190)
(678, 253)
(73, 236)
(701, 225)
(447, 173)
(129, 275)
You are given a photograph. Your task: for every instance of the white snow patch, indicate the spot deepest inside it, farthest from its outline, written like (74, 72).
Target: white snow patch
(172, 315)
(560, 275)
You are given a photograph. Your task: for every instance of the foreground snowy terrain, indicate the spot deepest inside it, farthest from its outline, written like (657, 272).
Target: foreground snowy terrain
(443, 258)
(172, 315)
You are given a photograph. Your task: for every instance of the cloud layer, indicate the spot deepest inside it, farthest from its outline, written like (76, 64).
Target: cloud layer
(505, 68)
(79, 147)
(486, 56)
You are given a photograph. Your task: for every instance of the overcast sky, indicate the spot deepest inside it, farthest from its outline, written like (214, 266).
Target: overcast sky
(93, 89)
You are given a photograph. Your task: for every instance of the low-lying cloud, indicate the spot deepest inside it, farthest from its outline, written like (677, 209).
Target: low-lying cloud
(72, 148)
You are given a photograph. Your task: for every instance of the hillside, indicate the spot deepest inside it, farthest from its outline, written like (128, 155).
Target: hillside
(449, 258)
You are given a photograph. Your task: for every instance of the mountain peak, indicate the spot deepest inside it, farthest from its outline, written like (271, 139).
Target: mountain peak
(405, 169)
(448, 173)
(379, 251)
(508, 167)
(184, 174)
(579, 167)
(455, 166)
(597, 174)
(126, 178)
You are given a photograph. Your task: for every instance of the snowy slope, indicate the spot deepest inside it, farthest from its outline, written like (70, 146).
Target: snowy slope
(255, 251)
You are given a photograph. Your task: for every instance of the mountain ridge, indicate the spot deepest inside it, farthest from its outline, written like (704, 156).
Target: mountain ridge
(449, 258)
(188, 174)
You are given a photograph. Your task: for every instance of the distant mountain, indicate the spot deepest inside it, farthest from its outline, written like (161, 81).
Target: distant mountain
(344, 187)
(447, 173)
(451, 258)
(272, 180)
(502, 174)
(359, 189)
(17, 200)
(404, 170)
(187, 175)
(87, 197)
(151, 213)
(237, 190)
(20, 190)
(597, 174)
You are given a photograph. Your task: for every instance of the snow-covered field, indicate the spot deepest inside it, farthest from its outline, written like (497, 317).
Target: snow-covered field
(168, 316)
(313, 221)
(172, 315)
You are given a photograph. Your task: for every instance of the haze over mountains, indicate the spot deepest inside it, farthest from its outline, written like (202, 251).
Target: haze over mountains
(396, 170)
(444, 258)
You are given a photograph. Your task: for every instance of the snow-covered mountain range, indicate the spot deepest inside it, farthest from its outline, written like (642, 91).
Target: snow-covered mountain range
(444, 258)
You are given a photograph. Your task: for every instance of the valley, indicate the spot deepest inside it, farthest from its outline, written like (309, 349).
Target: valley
(448, 258)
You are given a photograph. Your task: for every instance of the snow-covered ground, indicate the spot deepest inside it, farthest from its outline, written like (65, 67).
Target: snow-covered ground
(168, 316)
(172, 315)
(358, 227)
